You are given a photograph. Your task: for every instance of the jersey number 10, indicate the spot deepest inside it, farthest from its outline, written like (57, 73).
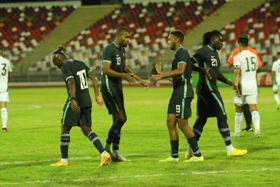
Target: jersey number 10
(251, 64)
(83, 79)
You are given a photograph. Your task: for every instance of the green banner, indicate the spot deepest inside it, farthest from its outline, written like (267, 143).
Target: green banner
(227, 75)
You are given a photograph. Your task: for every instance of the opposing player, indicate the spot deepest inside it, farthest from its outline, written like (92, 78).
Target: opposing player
(179, 108)
(209, 100)
(5, 77)
(246, 111)
(275, 73)
(114, 69)
(245, 77)
(77, 110)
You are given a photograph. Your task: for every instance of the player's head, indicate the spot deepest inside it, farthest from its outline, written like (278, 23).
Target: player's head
(278, 55)
(59, 56)
(122, 36)
(243, 40)
(214, 39)
(175, 38)
(1, 51)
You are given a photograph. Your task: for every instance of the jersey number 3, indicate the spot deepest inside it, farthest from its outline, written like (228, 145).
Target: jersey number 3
(4, 71)
(83, 79)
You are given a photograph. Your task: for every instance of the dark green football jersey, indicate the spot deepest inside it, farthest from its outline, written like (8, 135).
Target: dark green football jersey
(207, 57)
(116, 56)
(182, 87)
(79, 71)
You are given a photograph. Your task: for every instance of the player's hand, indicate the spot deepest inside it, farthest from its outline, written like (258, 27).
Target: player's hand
(128, 77)
(236, 89)
(144, 83)
(206, 72)
(75, 107)
(99, 100)
(158, 68)
(155, 78)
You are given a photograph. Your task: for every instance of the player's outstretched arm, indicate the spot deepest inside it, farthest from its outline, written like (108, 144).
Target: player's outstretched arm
(200, 69)
(179, 71)
(94, 79)
(136, 77)
(160, 71)
(72, 88)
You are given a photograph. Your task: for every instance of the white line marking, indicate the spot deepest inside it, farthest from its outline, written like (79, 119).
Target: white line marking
(142, 176)
(23, 107)
(134, 154)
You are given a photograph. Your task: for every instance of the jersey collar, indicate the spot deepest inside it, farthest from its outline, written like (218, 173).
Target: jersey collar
(178, 49)
(116, 45)
(210, 47)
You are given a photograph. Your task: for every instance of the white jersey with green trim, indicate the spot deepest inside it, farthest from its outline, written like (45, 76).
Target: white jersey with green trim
(247, 62)
(276, 68)
(4, 74)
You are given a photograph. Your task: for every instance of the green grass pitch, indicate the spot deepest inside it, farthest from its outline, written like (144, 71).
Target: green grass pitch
(32, 144)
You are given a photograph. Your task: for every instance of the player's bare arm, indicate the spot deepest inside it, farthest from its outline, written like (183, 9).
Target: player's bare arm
(223, 79)
(94, 79)
(136, 77)
(112, 73)
(199, 69)
(229, 65)
(160, 71)
(272, 76)
(179, 71)
(10, 76)
(236, 76)
(72, 88)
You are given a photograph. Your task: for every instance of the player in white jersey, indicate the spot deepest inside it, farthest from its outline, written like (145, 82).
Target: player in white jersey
(245, 76)
(275, 73)
(5, 76)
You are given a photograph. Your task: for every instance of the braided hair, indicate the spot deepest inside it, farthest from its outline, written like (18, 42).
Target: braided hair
(209, 35)
(61, 50)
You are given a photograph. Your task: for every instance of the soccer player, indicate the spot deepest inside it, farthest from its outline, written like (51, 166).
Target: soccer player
(246, 111)
(209, 100)
(114, 69)
(77, 110)
(245, 73)
(275, 73)
(5, 77)
(179, 108)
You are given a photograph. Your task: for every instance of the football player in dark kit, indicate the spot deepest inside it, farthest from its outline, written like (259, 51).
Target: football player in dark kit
(209, 100)
(77, 110)
(114, 70)
(179, 108)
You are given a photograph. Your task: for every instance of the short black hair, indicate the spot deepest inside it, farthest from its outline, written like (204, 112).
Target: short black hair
(121, 30)
(209, 35)
(178, 34)
(278, 54)
(243, 40)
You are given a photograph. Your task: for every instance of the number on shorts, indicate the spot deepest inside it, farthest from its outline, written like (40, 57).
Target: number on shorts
(83, 79)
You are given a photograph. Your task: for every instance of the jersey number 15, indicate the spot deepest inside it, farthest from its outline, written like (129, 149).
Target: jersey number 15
(251, 66)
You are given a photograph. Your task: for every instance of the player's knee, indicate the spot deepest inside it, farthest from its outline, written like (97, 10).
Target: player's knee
(122, 119)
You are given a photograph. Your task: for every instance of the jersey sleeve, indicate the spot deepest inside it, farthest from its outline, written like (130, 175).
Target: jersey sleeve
(233, 54)
(10, 64)
(66, 71)
(107, 55)
(198, 56)
(183, 57)
(236, 62)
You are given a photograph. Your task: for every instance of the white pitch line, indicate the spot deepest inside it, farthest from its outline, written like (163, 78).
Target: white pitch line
(133, 154)
(24, 107)
(141, 176)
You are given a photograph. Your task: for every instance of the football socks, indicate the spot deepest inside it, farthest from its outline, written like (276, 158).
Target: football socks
(96, 142)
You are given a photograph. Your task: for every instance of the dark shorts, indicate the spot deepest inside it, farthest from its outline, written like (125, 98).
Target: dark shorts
(69, 118)
(180, 107)
(210, 104)
(113, 101)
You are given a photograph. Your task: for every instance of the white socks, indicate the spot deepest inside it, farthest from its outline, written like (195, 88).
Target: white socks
(276, 97)
(256, 120)
(238, 121)
(230, 148)
(64, 160)
(4, 116)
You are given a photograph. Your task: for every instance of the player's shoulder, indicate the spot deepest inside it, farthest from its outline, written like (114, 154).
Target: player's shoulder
(4, 60)
(182, 51)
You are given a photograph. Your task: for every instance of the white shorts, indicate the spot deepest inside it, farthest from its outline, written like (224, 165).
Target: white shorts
(250, 99)
(4, 96)
(275, 87)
